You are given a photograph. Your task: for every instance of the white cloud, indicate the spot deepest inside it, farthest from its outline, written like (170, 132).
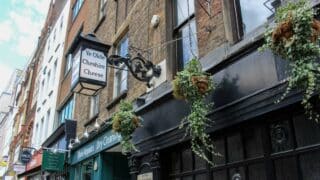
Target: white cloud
(25, 24)
(27, 21)
(6, 31)
(41, 6)
(25, 45)
(5, 73)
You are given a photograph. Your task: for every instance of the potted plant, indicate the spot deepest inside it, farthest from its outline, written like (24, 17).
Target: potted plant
(125, 122)
(192, 85)
(296, 39)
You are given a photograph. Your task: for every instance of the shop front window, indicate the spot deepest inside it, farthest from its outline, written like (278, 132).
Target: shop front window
(284, 147)
(87, 170)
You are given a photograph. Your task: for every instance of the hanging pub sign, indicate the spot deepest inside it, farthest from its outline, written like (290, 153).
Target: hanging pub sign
(52, 161)
(19, 168)
(25, 156)
(89, 64)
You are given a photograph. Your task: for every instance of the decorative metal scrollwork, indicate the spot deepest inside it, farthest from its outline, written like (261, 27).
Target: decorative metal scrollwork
(279, 134)
(140, 68)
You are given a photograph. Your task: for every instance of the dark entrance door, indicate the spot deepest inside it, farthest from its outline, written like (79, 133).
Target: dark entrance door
(115, 166)
(280, 147)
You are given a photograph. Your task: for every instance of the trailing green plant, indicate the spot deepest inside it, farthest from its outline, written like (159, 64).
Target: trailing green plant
(192, 85)
(125, 122)
(296, 39)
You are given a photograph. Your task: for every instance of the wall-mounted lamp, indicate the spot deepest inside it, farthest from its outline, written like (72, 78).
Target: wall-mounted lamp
(97, 125)
(72, 142)
(86, 133)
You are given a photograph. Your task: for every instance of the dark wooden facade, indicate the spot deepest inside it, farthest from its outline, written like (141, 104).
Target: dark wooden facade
(258, 139)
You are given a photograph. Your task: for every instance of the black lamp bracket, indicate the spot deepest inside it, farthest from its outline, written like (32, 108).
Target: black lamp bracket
(142, 69)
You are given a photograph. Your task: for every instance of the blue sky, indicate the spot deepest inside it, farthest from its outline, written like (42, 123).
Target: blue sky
(20, 24)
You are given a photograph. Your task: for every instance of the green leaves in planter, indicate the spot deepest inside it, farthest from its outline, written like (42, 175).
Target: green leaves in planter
(125, 122)
(192, 85)
(296, 39)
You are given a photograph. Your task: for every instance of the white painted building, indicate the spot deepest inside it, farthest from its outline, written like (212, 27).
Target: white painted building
(8, 111)
(48, 79)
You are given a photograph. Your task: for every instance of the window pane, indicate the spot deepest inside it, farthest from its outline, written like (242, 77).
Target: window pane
(186, 160)
(253, 142)
(254, 13)
(184, 9)
(124, 81)
(199, 163)
(175, 162)
(235, 148)
(286, 169)
(219, 145)
(307, 131)
(220, 175)
(187, 178)
(201, 177)
(310, 165)
(189, 44)
(123, 47)
(257, 171)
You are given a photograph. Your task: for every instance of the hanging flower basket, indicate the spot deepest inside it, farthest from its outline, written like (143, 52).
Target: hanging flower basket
(192, 85)
(125, 122)
(296, 38)
(201, 82)
(284, 31)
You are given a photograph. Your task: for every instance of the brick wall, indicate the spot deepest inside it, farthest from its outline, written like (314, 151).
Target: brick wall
(134, 19)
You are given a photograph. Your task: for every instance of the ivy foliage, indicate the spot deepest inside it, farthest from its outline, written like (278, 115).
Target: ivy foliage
(296, 39)
(125, 122)
(192, 85)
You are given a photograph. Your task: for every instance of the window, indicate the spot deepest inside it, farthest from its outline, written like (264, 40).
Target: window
(94, 106)
(47, 124)
(185, 28)
(36, 135)
(68, 64)
(54, 72)
(102, 8)
(61, 22)
(76, 8)
(66, 112)
(54, 35)
(248, 14)
(87, 167)
(49, 44)
(276, 149)
(48, 81)
(42, 87)
(121, 74)
(42, 129)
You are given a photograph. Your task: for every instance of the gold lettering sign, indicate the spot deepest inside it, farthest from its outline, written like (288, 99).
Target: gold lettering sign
(146, 176)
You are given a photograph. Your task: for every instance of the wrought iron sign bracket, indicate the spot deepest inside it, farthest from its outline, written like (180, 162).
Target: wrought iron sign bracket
(142, 69)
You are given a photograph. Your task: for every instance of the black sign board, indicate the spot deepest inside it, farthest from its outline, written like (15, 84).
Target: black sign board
(25, 156)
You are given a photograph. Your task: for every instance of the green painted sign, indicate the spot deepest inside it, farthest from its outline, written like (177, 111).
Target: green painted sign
(101, 143)
(52, 161)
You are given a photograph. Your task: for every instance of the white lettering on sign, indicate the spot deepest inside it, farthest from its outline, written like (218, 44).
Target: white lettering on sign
(93, 65)
(146, 176)
(98, 145)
